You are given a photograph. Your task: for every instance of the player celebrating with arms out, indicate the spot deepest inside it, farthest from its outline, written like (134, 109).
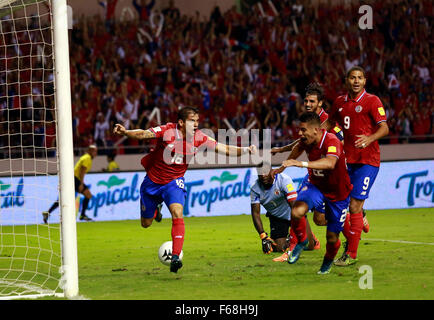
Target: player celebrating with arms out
(177, 143)
(363, 120)
(277, 195)
(328, 183)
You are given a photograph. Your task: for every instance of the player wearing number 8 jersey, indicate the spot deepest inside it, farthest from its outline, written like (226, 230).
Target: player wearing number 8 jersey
(363, 120)
(177, 143)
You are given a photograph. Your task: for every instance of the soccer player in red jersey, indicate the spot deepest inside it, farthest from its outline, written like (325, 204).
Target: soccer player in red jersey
(328, 183)
(363, 120)
(313, 101)
(177, 143)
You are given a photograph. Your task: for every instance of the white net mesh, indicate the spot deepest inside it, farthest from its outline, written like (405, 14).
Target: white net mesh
(30, 251)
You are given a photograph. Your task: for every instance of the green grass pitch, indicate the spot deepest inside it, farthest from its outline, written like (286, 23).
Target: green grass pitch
(223, 260)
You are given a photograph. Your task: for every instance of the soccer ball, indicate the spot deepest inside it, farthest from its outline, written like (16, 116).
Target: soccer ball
(165, 253)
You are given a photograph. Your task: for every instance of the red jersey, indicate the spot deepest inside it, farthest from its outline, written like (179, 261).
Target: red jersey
(334, 184)
(359, 116)
(177, 152)
(323, 116)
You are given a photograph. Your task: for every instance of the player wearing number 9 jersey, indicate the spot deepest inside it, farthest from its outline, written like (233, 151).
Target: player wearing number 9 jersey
(363, 120)
(177, 143)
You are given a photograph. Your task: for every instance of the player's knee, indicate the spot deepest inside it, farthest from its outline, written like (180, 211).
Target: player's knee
(146, 223)
(356, 206)
(332, 238)
(298, 213)
(319, 219)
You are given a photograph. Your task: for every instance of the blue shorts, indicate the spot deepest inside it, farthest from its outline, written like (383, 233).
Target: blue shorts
(316, 204)
(152, 194)
(362, 177)
(335, 211)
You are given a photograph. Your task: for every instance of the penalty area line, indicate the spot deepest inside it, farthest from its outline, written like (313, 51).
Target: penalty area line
(400, 241)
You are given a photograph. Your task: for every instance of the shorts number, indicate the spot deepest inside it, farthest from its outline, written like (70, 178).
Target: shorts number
(366, 183)
(178, 159)
(346, 122)
(317, 173)
(343, 216)
(180, 183)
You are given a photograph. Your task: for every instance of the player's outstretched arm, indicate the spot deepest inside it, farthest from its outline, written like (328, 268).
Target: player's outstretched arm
(286, 148)
(138, 134)
(327, 163)
(233, 150)
(295, 153)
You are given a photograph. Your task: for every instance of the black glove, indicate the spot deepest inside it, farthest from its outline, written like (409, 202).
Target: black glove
(267, 243)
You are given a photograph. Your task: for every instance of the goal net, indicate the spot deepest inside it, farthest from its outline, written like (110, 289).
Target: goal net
(32, 253)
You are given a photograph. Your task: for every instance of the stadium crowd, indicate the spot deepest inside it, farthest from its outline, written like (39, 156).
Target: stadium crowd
(247, 68)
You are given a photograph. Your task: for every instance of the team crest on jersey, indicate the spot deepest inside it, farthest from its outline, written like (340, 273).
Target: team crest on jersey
(194, 149)
(359, 108)
(276, 192)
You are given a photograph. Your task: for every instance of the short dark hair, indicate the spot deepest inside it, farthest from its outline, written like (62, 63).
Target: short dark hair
(310, 117)
(263, 168)
(356, 68)
(185, 111)
(315, 88)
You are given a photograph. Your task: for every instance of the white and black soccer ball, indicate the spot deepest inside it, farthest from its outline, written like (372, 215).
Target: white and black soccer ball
(165, 253)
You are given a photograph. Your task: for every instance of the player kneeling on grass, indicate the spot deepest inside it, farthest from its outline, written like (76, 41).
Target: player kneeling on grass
(328, 183)
(277, 195)
(177, 143)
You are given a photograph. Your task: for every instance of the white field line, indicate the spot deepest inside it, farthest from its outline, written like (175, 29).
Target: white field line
(400, 241)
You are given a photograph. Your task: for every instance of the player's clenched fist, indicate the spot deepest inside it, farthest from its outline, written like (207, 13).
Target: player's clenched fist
(253, 149)
(119, 129)
(267, 243)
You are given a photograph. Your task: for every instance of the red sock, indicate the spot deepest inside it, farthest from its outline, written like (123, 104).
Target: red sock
(346, 230)
(292, 239)
(299, 226)
(332, 249)
(178, 231)
(356, 220)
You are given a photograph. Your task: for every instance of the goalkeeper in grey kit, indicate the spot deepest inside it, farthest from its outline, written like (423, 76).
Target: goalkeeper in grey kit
(276, 195)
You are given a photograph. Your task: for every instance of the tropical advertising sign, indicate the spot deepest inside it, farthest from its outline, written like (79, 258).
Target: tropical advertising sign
(209, 192)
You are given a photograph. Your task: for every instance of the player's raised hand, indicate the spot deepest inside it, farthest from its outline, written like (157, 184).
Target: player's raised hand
(119, 129)
(267, 243)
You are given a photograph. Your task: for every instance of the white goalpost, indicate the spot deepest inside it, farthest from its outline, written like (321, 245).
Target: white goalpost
(36, 152)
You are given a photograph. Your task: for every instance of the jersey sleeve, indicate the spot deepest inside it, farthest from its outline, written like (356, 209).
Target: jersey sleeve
(160, 130)
(332, 111)
(338, 133)
(333, 147)
(288, 188)
(254, 196)
(377, 110)
(202, 140)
